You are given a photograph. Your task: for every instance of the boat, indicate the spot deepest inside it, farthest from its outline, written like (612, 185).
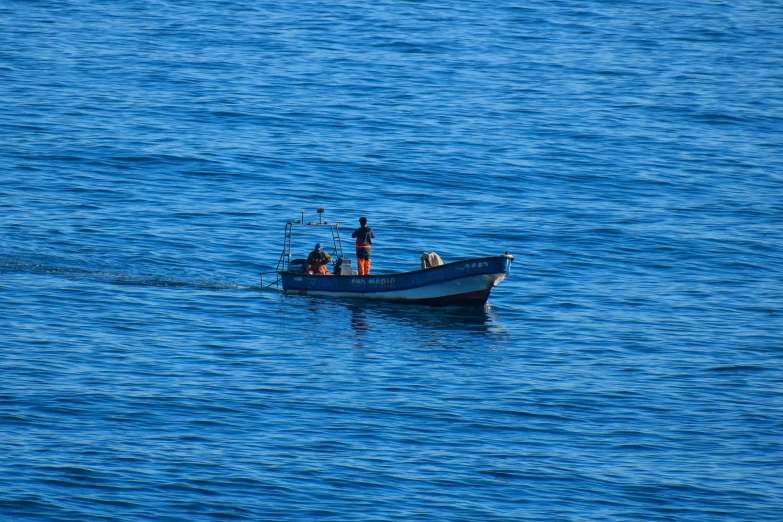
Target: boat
(467, 282)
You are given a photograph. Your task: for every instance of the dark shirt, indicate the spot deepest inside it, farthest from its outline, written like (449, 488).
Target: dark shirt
(364, 236)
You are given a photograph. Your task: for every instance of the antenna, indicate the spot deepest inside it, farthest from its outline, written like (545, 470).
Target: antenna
(320, 215)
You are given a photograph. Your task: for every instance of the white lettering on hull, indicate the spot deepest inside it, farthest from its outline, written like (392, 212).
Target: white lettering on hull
(383, 282)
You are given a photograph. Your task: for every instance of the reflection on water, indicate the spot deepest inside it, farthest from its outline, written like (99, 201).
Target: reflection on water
(380, 324)
(360, 324)
(359, 321)
(477, 319)
(367, 316)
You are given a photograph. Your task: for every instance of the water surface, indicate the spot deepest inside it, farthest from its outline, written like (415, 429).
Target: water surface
(628, 155)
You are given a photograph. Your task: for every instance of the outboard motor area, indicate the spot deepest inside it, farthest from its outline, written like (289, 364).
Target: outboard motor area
(297, 265)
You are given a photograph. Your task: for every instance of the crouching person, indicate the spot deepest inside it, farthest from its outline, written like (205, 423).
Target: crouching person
(317, 261)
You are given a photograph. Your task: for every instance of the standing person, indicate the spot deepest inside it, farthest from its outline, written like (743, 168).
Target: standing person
(364, 236)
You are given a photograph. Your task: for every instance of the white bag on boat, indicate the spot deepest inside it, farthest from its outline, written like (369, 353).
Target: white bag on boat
(430, 259)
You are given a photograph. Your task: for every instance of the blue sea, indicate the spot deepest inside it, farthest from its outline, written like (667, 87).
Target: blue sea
(628, 154)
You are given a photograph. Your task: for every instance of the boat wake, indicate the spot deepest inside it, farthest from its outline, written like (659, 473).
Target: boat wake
(19, 265)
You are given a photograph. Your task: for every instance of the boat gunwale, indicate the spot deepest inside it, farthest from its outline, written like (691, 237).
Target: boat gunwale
(497, 269)
(392, 274)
